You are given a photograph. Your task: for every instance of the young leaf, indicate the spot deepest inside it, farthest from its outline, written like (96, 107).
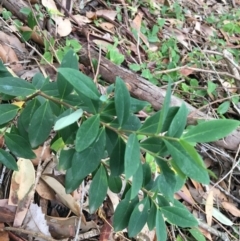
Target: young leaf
(210, 131)
(87, 161)
(132, 156)
(161, 229)
(98, 189)
(137, 181)
(188, 165)
(7, 112)
(117, 158)
(7, 160)
(40, 125)
(68, 120)
(80, 82)
(19, 146)
(16, 87)
(87, 133)
(122, 101)
(179, 122)
(123, 213)
(138, 217)
(69, 61)
(178, 216)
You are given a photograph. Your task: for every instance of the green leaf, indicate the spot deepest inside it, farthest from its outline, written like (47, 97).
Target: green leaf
(186, 163)
(122, 101)
(161, 229)
(98, 189)
(87, 161)
(117, 158)
(197, 234)
(40, 125)
(4, 71)
(80, 82)
(123, 213)
(7, 112)
(87, 133)
(178, 216)
(151, 221)
(7, 160)
(223, 108)
(209, 131)
(19, 146)
(137, 105)
(115, 184)
(50, 88)
(179, 122)
(68, 120)
(154, 145)
(111, 140)
(147, 174)
(137, 181)
(166, 180)
(138, 217)
(65, 159)
(16, 87)
(132, 156)
(69, 61)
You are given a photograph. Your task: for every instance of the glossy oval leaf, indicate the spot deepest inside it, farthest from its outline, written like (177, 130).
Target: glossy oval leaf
(98, 189)
(87, 161)
(7, 112)
(117, 158)
(161, 229)
(209, 131)
(7, 160)
(178, 216)
(80, 82)
(137, 181)
(40, 125)
(65, 159)
(69, 61)
(122, 101)
(188, 165)
(151, 221)
(115, 184)
(179, 122)
(87, 133)
(16, 87)
(122, 213)
(197, 234)
(68, 120)
(132, 156)
(138, 217)
(19, 146)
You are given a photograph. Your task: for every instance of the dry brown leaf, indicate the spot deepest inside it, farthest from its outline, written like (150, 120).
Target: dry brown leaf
(21, 189)
(34, 36)
(82, 19)
(230, 207)
(45, 191)
(205, 233)
(65, 227)
(63, 25)
(107, 27)
(209, 207)
(3, 234)
(91, 15)
(65, 198)
(111, 14)
(46, 155)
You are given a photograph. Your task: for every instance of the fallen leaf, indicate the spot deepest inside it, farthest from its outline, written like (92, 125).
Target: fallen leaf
(209, 207)
(230, 207)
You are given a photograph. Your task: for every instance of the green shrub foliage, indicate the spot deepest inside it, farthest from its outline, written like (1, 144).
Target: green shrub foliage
(102, 135)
